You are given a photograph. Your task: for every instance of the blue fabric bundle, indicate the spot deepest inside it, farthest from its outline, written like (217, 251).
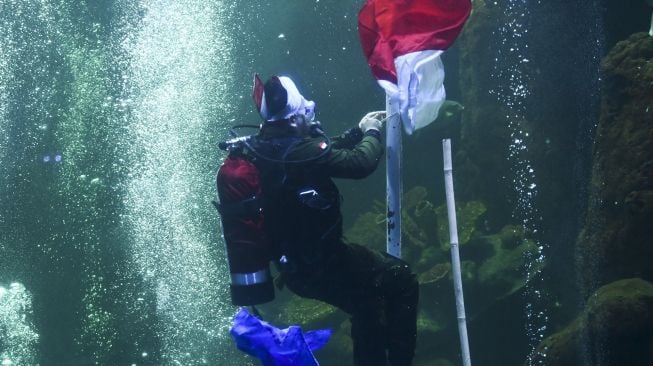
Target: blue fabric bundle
(274, 346)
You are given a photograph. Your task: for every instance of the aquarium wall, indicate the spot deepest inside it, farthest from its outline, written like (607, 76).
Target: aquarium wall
(110, 117)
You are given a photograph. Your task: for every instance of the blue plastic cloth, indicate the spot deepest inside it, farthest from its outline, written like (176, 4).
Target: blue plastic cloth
(274, 346)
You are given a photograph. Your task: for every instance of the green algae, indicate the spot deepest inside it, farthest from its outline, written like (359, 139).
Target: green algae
(467, 214)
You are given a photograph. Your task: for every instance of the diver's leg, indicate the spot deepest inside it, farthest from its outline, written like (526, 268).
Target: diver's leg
(368, 334)
(352, 281)
(402, 294)
(365, 292)
(385, 316)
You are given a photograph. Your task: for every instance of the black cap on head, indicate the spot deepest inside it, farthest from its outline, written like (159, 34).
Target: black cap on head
(276, 96)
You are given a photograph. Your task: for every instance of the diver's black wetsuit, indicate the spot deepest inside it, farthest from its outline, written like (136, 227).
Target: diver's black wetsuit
(303, 219)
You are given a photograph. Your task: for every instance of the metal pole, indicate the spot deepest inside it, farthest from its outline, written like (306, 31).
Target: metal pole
(393, 178)
(455, 255)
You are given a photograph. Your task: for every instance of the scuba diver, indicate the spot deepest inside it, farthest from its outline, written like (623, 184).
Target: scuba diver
(279, 204)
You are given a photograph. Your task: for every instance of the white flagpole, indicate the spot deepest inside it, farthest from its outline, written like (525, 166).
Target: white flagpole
(455, 255)
(393, 177)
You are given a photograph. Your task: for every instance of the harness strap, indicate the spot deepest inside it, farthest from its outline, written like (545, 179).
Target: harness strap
(247, 207)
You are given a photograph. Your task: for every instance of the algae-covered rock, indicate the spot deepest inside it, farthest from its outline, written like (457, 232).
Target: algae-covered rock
(511, 236)
(310, 314)
(428, 257)
(426, 217)
(418, 225)
(621, 309)
(615, 329)
(505, 272)
(435, 274)
(467, 214)
(428, 323)
(414, 197)
(369, 230)
(616, 240)
(495, 266)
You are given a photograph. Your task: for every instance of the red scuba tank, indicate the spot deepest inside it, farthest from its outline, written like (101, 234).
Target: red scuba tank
(242, 216)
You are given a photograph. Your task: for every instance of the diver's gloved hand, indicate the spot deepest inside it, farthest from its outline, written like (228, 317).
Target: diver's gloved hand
(372, 121)
(350, 138)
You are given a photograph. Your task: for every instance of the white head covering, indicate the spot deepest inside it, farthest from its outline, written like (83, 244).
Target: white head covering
(295, 103)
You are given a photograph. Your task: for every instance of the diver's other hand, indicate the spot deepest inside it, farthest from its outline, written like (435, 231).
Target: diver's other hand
(372, 121)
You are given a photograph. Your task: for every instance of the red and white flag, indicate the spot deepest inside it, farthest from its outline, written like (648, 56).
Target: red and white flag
(402, 41)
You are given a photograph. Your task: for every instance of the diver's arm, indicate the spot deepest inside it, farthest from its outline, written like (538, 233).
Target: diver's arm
(348, 139)
(357, 162)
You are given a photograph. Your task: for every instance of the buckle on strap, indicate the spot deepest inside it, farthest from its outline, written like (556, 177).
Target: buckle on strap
(247, 279)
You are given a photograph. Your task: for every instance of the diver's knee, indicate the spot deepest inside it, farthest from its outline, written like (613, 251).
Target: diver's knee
(401, 278)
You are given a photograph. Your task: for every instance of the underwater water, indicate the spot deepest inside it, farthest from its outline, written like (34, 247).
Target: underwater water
(111, 113)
